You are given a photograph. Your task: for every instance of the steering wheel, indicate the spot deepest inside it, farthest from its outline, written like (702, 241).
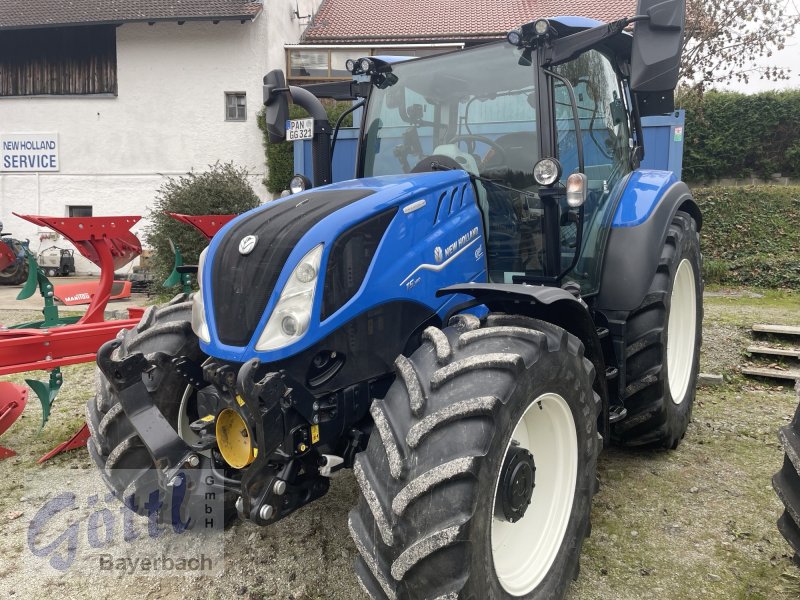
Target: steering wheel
(479, 138)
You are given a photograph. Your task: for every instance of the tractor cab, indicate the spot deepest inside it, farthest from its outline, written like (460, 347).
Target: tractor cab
(521, 133)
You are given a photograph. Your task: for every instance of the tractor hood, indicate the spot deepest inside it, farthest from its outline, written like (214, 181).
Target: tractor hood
(316, 259)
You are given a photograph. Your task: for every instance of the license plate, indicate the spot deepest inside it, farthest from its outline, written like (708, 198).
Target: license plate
(299, 129)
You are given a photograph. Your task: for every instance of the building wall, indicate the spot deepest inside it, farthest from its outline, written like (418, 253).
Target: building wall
(168, 118)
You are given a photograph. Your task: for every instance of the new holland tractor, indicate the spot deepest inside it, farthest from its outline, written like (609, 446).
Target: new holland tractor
(500, 291)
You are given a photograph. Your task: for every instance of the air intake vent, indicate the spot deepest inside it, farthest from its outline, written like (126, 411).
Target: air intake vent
(350, 259)
(243, 283)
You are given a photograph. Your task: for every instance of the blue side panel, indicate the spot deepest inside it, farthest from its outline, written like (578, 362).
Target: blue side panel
(344, 155)
(663, 142)
(644, 190)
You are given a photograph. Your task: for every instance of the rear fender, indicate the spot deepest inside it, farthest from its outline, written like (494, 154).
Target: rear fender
(638, 232)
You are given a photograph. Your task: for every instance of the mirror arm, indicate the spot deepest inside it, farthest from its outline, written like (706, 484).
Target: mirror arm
(564, 49)
(320, 145)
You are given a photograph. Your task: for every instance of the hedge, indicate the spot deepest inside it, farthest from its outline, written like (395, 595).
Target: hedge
(751, 235)
(734, 135)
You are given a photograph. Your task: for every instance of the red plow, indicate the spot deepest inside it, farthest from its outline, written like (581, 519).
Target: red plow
(55, 342)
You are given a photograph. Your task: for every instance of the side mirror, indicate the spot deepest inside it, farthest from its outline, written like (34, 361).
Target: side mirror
(277, 102)
(657, 44)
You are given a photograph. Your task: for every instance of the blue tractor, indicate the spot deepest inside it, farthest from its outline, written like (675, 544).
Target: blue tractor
(500, 292)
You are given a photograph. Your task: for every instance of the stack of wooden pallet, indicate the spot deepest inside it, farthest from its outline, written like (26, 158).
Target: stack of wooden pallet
(784, 359)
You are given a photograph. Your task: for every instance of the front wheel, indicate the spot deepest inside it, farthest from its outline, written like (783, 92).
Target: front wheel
(478, 480)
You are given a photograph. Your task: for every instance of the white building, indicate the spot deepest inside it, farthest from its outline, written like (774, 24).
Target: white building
(100, 100)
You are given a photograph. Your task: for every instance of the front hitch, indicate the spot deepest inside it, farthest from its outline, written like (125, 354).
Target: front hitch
(269, 493)
(177, 462)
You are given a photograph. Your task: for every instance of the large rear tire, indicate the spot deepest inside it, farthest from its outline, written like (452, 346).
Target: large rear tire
(787, 482)
(662, 345)
(511, 396)
(124, 462)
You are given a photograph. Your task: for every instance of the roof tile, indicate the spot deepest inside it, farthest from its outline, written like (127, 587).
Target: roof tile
(26, 14)
(343, 21)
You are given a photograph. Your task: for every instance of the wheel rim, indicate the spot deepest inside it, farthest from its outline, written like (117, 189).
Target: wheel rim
(681, 331)
(523, 552)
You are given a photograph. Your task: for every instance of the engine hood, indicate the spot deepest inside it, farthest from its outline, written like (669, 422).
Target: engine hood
(250, 260)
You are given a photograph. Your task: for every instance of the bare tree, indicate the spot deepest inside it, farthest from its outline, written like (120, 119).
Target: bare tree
(725, 38)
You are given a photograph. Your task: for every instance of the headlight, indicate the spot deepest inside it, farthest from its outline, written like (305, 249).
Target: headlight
(547, 171)
(201, 262)
(292, 314)
(199, 325)
(299, 183)
(541, 26)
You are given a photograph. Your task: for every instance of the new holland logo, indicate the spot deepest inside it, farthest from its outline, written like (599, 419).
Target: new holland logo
(438, 254)
(247, 244)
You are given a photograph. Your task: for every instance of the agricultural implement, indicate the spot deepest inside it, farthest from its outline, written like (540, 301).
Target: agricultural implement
(56, 341)
(500, 292)
(208, 226)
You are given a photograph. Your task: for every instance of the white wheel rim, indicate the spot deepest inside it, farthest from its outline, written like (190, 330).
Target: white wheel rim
(523, 552)
(681, 331)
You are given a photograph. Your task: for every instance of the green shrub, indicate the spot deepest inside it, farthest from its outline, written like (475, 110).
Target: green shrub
(280, 156)
(750, 235)
(223, 189)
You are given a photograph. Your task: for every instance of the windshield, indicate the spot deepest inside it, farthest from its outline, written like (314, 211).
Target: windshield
(480, 102)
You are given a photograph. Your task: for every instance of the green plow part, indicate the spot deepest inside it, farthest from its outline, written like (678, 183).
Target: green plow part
(176, 277)
(37, 278)
(33, 272)
(46, 392)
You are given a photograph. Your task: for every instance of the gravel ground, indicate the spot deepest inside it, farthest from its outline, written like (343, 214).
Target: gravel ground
(696, 522)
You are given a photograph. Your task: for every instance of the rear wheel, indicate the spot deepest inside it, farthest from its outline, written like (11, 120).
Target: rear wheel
(662, 345)
(787, 483)
(478, 480)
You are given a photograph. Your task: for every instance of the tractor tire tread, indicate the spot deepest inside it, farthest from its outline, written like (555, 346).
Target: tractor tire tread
(651, 420)
(400, 528)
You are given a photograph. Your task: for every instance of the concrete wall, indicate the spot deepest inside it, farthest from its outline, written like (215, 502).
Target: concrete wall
(167, 119)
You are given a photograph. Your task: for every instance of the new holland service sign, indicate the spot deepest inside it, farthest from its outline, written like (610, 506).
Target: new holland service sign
(28, 152)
